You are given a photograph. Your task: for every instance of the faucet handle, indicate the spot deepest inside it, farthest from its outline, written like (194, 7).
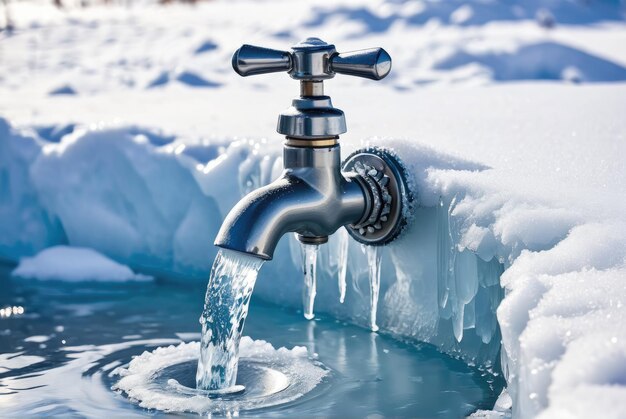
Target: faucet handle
(312, 60)
(250, 60)
(372, 63)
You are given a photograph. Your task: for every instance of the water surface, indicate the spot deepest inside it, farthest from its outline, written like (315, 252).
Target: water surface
(58, 357)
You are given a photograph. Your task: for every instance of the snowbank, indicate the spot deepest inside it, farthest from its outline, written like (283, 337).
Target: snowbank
(74, 264)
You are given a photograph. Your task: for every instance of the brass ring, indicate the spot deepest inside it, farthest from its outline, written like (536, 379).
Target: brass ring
(311, 142)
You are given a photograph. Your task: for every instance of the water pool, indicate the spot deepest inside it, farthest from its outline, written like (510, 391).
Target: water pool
(63, 354)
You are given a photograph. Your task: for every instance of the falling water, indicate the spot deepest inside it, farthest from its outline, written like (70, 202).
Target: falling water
(225, 309)
(309, 262)
(374, 255)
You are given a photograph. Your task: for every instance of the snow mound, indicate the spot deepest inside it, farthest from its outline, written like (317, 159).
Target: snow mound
(564, 325)
(74, 264)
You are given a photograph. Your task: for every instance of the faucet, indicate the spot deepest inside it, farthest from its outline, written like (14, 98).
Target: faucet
(317, 194)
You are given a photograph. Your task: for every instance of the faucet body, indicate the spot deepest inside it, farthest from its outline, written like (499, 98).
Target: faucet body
(312, 198)
(316, 194)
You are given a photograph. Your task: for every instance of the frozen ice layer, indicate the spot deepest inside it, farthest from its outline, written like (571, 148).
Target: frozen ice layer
(271, 376)
(63, 263)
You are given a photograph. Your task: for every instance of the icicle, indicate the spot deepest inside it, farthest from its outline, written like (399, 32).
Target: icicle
(374, 255)
(309, 262)
(344, 240)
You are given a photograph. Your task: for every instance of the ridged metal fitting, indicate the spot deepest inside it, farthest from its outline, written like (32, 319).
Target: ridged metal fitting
(312, 239)
(386, 181)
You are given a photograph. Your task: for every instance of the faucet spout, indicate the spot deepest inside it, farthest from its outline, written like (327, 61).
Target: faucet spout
(312, 198)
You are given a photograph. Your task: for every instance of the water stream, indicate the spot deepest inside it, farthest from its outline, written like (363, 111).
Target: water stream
(225, 309)
(309, 267)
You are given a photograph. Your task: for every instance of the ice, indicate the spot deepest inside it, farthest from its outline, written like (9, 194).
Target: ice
(65, 263)
(374, 258)
(31, 228)
(148, 209)
(309, 268)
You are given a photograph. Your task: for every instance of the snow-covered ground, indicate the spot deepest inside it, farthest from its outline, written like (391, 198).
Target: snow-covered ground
(125, 130)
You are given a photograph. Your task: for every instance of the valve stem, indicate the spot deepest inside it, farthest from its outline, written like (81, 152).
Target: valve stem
(310, 88)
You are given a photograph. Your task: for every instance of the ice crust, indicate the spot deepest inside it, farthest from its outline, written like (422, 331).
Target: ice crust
(65, 263)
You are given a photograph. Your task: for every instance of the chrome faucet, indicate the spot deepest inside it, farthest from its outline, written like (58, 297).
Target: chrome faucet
(317, 194)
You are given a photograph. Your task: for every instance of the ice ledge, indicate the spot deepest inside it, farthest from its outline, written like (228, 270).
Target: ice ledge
(148, 199)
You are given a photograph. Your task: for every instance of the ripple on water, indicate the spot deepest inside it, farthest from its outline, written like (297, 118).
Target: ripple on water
(164, 379)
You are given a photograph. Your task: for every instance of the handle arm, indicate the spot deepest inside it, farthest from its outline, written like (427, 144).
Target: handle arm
(372, 63)
(250, 60)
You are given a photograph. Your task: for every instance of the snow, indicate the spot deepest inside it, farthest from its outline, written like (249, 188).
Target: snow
(73, 264)
(510, 117)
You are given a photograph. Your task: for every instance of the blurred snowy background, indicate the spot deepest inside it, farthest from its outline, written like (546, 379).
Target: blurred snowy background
(124, 129)
(108, 45)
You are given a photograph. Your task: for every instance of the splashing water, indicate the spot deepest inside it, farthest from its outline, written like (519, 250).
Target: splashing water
(225, 309)
(309, 265)
(374, 255)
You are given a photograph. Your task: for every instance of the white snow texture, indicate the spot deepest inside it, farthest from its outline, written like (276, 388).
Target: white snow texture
(517, 250)
(74, 264)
